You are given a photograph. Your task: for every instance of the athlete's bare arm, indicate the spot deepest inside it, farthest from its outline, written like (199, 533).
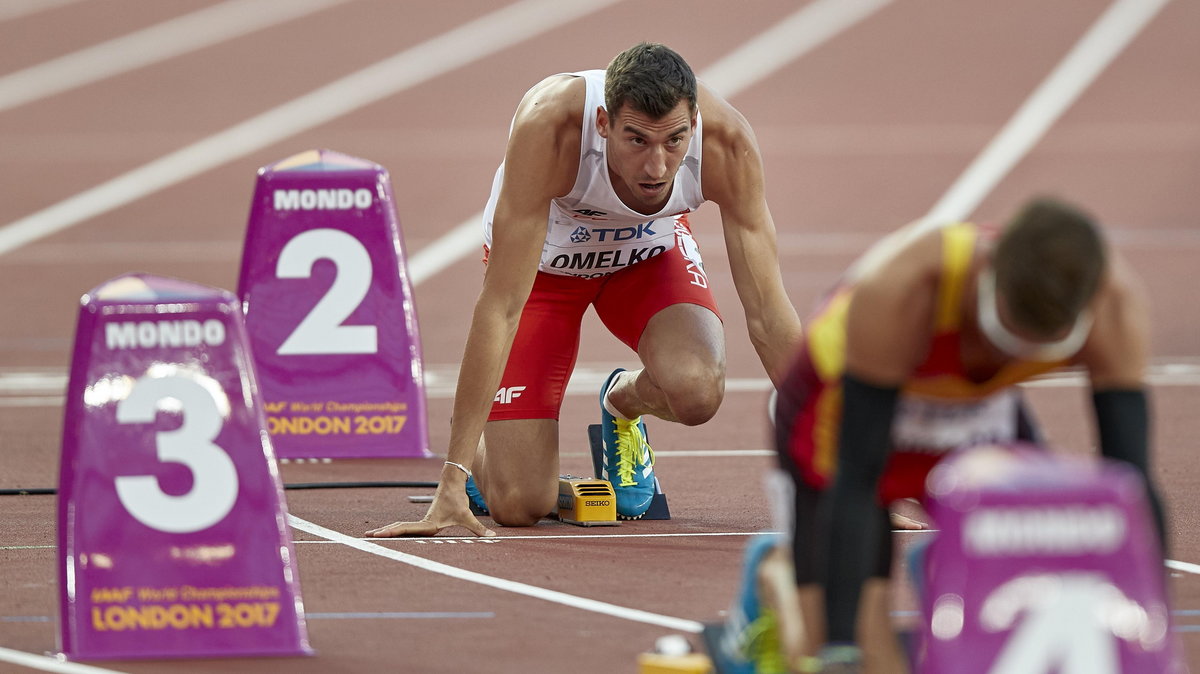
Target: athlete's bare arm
(540, 163)
(732, 177)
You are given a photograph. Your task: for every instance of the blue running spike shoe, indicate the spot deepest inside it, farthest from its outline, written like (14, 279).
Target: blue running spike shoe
(748, 642)
(476, 497)
(628, 459)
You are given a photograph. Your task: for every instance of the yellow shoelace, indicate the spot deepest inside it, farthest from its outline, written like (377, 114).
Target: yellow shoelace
(630, 443)
(763, 647)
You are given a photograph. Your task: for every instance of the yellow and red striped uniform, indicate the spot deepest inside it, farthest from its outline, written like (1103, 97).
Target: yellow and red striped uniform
(815, 390)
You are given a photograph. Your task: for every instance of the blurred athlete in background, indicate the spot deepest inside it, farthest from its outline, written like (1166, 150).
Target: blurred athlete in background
(916, 353)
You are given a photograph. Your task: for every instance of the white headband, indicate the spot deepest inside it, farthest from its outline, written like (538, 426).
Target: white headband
(1017, 346)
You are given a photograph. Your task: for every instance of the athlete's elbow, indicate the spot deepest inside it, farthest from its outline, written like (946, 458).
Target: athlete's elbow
(759, 335)
(765, 330)
(500, 309)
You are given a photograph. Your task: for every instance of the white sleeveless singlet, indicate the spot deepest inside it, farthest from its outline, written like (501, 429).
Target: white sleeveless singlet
(591, 232)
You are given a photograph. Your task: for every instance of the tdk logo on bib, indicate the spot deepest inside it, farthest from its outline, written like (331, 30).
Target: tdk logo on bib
(624, 233)
(322, 200)
(581, 235)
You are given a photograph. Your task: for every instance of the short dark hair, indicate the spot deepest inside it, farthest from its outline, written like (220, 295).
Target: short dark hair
(651, 78)
(1048, 263)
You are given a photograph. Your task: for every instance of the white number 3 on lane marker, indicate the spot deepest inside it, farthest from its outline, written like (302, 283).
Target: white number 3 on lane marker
(215, 480)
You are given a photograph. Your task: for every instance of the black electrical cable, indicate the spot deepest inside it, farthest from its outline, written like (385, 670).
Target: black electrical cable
(38, 491)
(359, 485)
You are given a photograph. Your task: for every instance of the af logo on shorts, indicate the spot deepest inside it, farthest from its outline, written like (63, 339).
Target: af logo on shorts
(505, 395)
(581, 235)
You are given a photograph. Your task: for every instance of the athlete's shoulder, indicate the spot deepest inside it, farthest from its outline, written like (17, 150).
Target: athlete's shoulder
(725, 128)
(732, 164)
(1122, 297)
(556, 101)
(1115, 352)
(543, 145)
(893, 305)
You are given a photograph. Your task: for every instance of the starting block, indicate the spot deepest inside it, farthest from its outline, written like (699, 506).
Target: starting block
(657, 663)
(1042, 563)
(330, 311)
(172, 529)
(658, 510)
(586, 502)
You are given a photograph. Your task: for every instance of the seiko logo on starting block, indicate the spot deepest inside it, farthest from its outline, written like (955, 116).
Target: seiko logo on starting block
(163, 334)
(323, 200)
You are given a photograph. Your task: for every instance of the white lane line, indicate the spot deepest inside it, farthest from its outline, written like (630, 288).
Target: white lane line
(1173, 564)
(1111, 33)
(450, 248)
(1081, 140)
(553, 537)
(799, 33)
(838, 244)
(31, 401)
(1165, 374)
(714, 453)
(45, 388)
(480, 37)
(50, 664)
(403, 615)
(15, 9)
(553, 596)
(1186, 567)
(33, 381)
(810, 244)
(202, 28)
(805, 30)
(129, 252)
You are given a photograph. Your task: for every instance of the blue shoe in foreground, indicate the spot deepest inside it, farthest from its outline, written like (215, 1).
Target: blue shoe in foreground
(475, 496)
(839, 659)
(748, 641)
(628, 459)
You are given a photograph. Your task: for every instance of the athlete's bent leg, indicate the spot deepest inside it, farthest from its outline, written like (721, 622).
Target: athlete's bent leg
(683, 379)
(517, 470)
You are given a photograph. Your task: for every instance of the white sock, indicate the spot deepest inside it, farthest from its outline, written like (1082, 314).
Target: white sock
(781, 499)
(608, 406)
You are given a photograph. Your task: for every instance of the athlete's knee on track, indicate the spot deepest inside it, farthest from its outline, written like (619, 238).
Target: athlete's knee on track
(695, 393)
(513, 507)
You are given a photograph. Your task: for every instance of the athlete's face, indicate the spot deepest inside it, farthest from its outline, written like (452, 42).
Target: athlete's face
(644, 153)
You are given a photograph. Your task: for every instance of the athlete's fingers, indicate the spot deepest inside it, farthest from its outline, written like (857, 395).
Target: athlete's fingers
(471, 523)
(905, 523)
(395, 529)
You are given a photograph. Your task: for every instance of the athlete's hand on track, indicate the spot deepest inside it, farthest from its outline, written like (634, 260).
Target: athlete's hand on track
(447, 510)
(905, 523)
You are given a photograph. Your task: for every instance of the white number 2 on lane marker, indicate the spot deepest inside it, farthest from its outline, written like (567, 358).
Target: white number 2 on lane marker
(322, 331)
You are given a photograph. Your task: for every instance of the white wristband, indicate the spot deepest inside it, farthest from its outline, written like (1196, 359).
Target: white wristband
(460, 467)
